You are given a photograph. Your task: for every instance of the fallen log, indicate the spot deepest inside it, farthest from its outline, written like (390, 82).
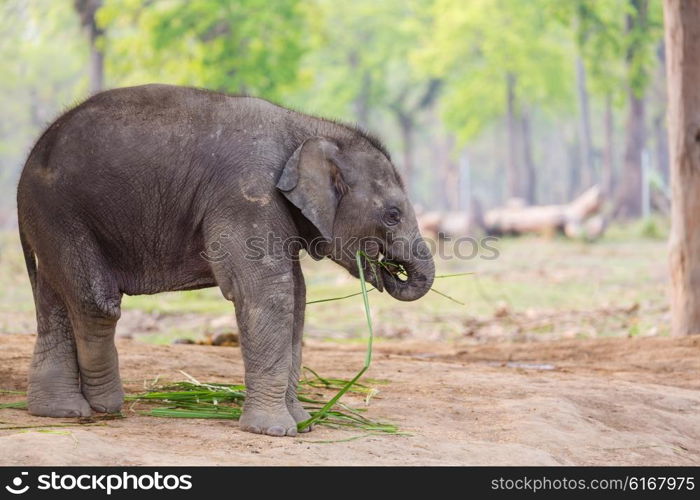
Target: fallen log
(571, 220)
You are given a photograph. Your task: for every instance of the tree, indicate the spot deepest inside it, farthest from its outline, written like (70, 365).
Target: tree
(659, 109)
(585, 135)
(583, 19)
(406, 114)
(599, 31)
(629, 194)
(514, 179)
(682, 34)
(87, 9)
(616, 42)
(641, 39)
(499, 58)
(241, 47)
(367, 82)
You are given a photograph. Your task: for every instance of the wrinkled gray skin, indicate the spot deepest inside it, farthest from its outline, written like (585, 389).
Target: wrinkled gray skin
(156, 188)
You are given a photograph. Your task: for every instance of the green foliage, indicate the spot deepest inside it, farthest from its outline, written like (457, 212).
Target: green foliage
(245, 46)
(641, 41)
(597, 30)
(477, 44)
(366, 61)
(358, 57)
(603, 39)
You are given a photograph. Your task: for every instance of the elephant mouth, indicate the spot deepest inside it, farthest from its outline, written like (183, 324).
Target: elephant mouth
(385, 273)
(396, 278)
(404, 280)
(392, 271)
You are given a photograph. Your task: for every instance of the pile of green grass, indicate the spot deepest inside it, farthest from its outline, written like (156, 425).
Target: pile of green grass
(193, 399)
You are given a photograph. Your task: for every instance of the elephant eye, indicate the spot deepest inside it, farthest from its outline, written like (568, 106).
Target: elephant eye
(392, 216)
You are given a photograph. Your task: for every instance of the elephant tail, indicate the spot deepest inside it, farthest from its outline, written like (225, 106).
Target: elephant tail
(29, 259)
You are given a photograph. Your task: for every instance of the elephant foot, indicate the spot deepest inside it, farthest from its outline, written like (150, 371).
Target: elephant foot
(105, 400)
(270, 422)
(58, 405)
(299, 414)
(53, 390)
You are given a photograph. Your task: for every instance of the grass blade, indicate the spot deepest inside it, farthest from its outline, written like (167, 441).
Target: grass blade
(318, 301)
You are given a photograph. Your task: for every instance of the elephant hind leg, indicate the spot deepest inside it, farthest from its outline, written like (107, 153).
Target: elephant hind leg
(100, 381)
(94, 315)
(53, 385)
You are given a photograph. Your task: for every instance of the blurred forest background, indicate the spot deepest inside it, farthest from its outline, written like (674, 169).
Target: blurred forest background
(577, 344)
(482, 100)
(479, 100)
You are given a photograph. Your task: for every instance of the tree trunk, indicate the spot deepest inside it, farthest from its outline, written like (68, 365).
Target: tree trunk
(608, 182)
(661, 141)
(629, 194)
(513, 177)
(659, 122)
(682, 33)
(87, 9)
(574, 181)
(97, 75)
(451, 174)
(585, 141)
(362, 100)
(36, 115)
(406, 116)
(441, 145)
(406, 127)
(529, 171)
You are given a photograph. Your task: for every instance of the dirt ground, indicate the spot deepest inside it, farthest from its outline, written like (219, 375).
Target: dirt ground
(583, 402)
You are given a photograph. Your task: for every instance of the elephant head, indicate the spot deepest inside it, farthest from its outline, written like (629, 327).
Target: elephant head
(354, 198)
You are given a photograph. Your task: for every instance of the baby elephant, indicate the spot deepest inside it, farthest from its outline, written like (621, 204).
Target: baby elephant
(156, 188)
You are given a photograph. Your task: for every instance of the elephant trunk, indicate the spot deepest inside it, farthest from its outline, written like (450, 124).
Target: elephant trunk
(418, 276)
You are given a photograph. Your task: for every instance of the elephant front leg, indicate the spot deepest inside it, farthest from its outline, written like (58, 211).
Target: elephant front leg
(265, 315)
(293, 405)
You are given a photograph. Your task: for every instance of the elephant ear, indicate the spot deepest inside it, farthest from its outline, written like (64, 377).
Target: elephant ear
(313, 183)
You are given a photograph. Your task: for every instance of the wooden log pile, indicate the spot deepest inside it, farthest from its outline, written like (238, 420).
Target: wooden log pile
(582, 218)
(579, 219)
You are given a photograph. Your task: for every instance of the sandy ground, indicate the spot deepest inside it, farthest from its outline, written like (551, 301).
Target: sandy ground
(592, 402)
